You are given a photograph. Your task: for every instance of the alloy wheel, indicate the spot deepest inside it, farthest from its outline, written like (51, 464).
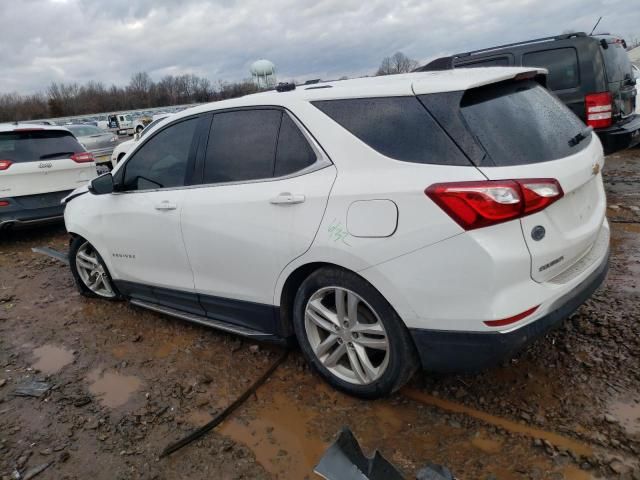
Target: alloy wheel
(346, 335)
(92, 273)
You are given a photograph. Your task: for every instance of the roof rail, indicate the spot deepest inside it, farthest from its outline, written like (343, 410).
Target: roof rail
(564, 36)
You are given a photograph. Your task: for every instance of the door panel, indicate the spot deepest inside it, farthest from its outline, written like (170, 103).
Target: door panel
(239, 240)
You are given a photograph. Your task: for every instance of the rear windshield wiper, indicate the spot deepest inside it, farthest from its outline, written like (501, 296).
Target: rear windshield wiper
(584, 134)
(53, 155)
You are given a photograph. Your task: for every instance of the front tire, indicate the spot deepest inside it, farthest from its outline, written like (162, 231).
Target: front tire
(139, 128)
(90, 272)
(351, 335)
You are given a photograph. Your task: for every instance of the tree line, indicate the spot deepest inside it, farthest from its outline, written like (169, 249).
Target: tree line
(62, 99)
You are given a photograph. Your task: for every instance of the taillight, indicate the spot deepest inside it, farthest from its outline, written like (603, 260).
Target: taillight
(484, 203)
(599, 110)
(4, 164)
(4, 203)
(82, 157)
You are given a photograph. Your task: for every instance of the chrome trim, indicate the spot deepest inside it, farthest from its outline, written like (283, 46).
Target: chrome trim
(208, 322)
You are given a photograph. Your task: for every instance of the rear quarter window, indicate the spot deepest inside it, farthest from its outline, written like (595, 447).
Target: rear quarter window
(562, 64)
(397, 127)
(617, 62)
(36, 145)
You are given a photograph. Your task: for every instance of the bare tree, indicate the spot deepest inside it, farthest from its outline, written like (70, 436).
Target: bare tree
(396, 63)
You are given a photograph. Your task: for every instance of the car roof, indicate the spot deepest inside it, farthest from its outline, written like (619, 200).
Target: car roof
(10, 127)
(418, 83)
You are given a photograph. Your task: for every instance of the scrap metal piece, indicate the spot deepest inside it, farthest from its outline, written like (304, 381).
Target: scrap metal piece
(32, 388)
(50, 252)
(344, 460)
(35, 471)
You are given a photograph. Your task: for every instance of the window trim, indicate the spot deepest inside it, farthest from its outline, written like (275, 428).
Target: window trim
(322, 158)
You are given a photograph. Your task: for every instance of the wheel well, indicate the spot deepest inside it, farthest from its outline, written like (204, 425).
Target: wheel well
(289, 290)
(121, 155)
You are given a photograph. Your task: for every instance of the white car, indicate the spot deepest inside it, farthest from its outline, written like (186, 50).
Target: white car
(39, 166)
(439, 219)
(121, 150)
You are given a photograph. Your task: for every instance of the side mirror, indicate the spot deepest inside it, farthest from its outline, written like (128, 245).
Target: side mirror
(102, 184)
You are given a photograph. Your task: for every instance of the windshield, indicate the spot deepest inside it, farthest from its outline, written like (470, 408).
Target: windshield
(84, 130)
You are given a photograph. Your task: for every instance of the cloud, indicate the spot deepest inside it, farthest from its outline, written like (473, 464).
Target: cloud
(81, 40)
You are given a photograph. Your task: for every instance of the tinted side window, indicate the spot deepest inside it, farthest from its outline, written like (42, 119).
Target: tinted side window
(487, 62)
(294, 152)
(617, 63)
(398, 127)
(162, 161)
(242, 146)
(562, 64)
(34, 145)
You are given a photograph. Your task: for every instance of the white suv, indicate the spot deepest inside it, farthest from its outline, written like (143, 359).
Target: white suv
(440, 219)
(39, 166)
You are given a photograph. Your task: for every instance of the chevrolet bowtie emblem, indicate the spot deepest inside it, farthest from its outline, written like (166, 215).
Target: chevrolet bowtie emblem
(595, 169)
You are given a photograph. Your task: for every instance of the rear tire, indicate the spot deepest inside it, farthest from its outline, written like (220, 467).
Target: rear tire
(351, 335)
(90, 272)
(139, 128)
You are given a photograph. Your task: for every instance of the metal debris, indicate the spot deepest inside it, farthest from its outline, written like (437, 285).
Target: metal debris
(32, 388)
(344, 460)
(50, 252)
(33, 472)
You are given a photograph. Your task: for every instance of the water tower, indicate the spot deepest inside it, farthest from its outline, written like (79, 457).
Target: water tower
(263, 73)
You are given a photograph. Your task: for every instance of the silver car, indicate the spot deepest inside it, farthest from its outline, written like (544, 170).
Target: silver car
(97, 141)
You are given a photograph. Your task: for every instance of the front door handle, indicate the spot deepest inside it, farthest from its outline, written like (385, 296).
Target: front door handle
(286, 198)
(165, 205)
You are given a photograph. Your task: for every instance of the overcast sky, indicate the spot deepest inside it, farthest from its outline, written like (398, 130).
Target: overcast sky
(108, 40)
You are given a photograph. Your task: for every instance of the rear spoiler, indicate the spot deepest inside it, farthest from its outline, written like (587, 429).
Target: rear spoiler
(468, 78)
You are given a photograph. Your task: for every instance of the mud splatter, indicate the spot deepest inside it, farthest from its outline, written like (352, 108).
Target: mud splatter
(51, 359)
(628, 414)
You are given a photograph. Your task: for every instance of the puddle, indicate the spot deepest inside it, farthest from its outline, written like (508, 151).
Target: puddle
(509, 425)
(51, 359)
(628, 414)
(112, 389)
(279, 438)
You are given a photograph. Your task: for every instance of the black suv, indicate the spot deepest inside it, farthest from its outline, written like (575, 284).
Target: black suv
(591, 74)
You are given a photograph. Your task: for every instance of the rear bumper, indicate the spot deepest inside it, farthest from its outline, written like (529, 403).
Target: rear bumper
(102, 155)
(455, 351)
(621, 136)
(33, 209)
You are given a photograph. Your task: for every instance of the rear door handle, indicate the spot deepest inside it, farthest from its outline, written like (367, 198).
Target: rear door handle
(165, 205)
(286, 198)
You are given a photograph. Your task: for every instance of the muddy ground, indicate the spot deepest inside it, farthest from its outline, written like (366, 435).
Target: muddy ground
(126, 382)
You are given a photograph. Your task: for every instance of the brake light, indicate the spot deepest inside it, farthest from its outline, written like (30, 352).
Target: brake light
(507, 321)
(4, 164)
(82, 157)
(4, 203)
(483, 203)
(599, 109)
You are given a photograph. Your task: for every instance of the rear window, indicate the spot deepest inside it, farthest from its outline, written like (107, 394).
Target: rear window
(398, 127)
(562, 64)
(520, 123)
(617, 63)
(35, 145)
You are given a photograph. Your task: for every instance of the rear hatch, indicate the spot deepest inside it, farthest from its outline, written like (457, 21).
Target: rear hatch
(518, 130)
(620, 77)
(35, 161)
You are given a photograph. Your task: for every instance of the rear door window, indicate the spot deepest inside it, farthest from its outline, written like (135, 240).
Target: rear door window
(242, 146)
(36, 145)
(294, 152)
(520, 123)
(562, 64)
(162, 161)
(398, 127)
